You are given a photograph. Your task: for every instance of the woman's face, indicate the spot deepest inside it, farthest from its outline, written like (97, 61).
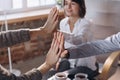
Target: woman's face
(71, 8)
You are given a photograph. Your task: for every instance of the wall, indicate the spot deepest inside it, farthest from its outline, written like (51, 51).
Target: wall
(105, 15)
(3, 4)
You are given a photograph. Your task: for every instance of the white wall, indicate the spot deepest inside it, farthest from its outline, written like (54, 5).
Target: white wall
(105, 15)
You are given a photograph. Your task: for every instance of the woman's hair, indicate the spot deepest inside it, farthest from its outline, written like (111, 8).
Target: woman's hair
(82, 6)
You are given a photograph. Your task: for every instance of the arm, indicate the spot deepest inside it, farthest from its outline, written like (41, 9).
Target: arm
(36, 74)
(18, 36)
(95, 48)
(31, 75)
(13, 37)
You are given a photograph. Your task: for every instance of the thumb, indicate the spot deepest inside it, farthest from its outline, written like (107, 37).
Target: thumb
(64, 53)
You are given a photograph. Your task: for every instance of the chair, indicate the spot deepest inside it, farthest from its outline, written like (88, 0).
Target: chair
(110, 61)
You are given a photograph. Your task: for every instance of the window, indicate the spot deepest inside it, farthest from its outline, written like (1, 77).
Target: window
(24, 5)
(17, 4)
(31, 3)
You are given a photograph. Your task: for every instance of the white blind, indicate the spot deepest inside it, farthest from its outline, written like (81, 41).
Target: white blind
(17, 4)
(24, 4)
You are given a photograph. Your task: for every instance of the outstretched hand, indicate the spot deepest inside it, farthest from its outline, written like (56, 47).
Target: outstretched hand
(54, 52)
(53, 55)
(52, 20)
(60, 38)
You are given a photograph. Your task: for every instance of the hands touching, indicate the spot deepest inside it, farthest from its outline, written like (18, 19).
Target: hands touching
(52, 20)
(60, 38)
(54, 53)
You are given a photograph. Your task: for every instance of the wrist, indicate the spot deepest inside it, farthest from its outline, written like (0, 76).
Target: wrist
(44, 68)
(45, 28)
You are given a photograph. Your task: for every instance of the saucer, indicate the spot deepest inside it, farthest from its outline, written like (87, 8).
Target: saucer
(53, 78)
(68, 79)
(74, 79)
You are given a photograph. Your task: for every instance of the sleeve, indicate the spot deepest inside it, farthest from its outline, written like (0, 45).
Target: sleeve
(31, 75)
(85, 36)
(95, 48)
(13, 37)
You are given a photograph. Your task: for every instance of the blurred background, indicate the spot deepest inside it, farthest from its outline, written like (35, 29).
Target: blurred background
(105, 15)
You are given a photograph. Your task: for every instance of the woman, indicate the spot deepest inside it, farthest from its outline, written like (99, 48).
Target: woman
(76, 30)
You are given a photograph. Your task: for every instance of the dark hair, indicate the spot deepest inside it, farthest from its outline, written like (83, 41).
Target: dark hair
(82, 6)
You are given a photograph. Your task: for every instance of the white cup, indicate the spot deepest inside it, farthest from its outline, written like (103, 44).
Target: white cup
(81, 76)
(60, 76)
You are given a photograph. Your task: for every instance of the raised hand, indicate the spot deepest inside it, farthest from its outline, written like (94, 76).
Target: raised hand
(60, 38)
(54, 52)
(52, 20)
(52, 56)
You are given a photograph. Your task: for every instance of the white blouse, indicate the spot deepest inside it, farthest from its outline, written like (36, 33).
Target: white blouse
(80, 34)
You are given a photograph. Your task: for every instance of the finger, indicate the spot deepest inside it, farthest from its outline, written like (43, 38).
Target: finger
(62, 40)
(63, 53)
(51, 12)
(55, 15)
(53, 41)
(54, 11)
(59, 53)
(56, 47)
(60, 36)
(54, 25)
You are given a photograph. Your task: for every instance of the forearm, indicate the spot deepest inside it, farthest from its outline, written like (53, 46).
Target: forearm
(92, 48)
(13, 37)
(31, 75)
(44, 68)
(37, 32)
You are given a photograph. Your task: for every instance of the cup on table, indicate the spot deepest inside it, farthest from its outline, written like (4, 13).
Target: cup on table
(60, 76)
(81, 76)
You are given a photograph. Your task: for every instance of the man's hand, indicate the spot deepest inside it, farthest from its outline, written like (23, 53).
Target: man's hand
(60, 38)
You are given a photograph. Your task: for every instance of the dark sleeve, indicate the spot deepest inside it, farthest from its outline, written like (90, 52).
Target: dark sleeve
(13, 37)
(31, 75)
(92, 49)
